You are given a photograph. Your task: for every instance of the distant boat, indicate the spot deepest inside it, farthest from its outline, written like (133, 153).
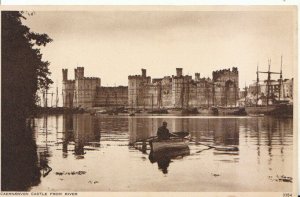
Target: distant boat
(158, 111)
(186, 111)
(238, 111)
(276, 109)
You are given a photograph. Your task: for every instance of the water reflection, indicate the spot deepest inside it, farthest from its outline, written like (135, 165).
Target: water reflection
(83, 130)
(264, 150)
(163, 158)
(217, 131)
(20, 169)
(264, 134)
(43, 150)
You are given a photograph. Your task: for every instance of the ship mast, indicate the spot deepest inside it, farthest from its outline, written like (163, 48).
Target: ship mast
(245, 93)
(269, 79)
(281, 87)
(56, 100)
(257, 80)
(268, 82)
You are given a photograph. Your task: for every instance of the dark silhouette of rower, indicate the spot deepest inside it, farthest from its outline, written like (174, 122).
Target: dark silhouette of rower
(163, 133)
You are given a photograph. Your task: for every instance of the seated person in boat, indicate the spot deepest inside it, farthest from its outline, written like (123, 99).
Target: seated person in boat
(163, 133)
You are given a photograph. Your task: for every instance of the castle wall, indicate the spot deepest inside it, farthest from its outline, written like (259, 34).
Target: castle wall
(85, 92)
(166, 92)
(181, 86)
(68, 89)
(227, 86)
(112, 96)
(201, 94)
(179, 91)
(80, 92)
(136, 91)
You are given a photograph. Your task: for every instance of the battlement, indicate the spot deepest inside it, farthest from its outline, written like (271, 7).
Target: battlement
(138, 77)
(203, 79)
(143, 76)
(91, 78)
(112, 88)
(79, 72)
(217, 74)
(182, 77)
(157, 80)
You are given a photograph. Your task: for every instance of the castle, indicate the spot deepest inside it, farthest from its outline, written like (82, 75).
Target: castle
(87, 92)
(176, 91)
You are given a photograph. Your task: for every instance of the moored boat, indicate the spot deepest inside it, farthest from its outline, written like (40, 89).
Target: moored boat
(276, 109)
(158, 111)
(239, 111)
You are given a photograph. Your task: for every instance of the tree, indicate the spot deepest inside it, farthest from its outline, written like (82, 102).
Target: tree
(23, 73)
(23, 70)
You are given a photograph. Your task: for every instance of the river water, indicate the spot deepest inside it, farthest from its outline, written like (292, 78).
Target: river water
(95, 153)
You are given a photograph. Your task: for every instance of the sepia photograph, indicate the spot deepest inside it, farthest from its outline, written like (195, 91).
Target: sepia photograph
(149, 99)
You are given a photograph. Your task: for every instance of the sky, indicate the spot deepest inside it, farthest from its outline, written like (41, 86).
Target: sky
(114, 43)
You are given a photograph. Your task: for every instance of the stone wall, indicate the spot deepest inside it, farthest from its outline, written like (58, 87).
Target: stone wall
(80, 92)
(136, 89)
(112, 96)
(85, 92)
(68, 88)
(179, 91)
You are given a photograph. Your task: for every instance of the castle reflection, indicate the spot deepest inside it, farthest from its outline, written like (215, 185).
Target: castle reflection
(83, 130)
(266, 135)
(217, 131)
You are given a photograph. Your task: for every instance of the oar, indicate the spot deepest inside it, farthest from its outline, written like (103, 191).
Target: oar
(204, 149)
(220, 148)
(146, 140)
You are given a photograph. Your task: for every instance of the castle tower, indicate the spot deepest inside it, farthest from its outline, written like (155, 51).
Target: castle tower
(85, 89)
(67, 90)
(197, 76)
(136, 89)
(144, 72)
(79, 73)
(180, 89)
(65, 74)
(227, 86)
(178, 72)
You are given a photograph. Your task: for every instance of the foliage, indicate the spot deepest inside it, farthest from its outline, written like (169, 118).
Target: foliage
(23, 70)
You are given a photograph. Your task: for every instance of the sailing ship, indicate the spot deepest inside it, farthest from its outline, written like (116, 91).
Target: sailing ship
(280, 107)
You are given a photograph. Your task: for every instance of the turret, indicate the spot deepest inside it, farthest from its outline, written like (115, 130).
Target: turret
(79, 73)
(178, 72)
(65, 74)
(197, 76)
(144, 71)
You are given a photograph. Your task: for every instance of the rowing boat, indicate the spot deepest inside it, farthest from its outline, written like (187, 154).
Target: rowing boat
(171, 144)
(174, 143)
